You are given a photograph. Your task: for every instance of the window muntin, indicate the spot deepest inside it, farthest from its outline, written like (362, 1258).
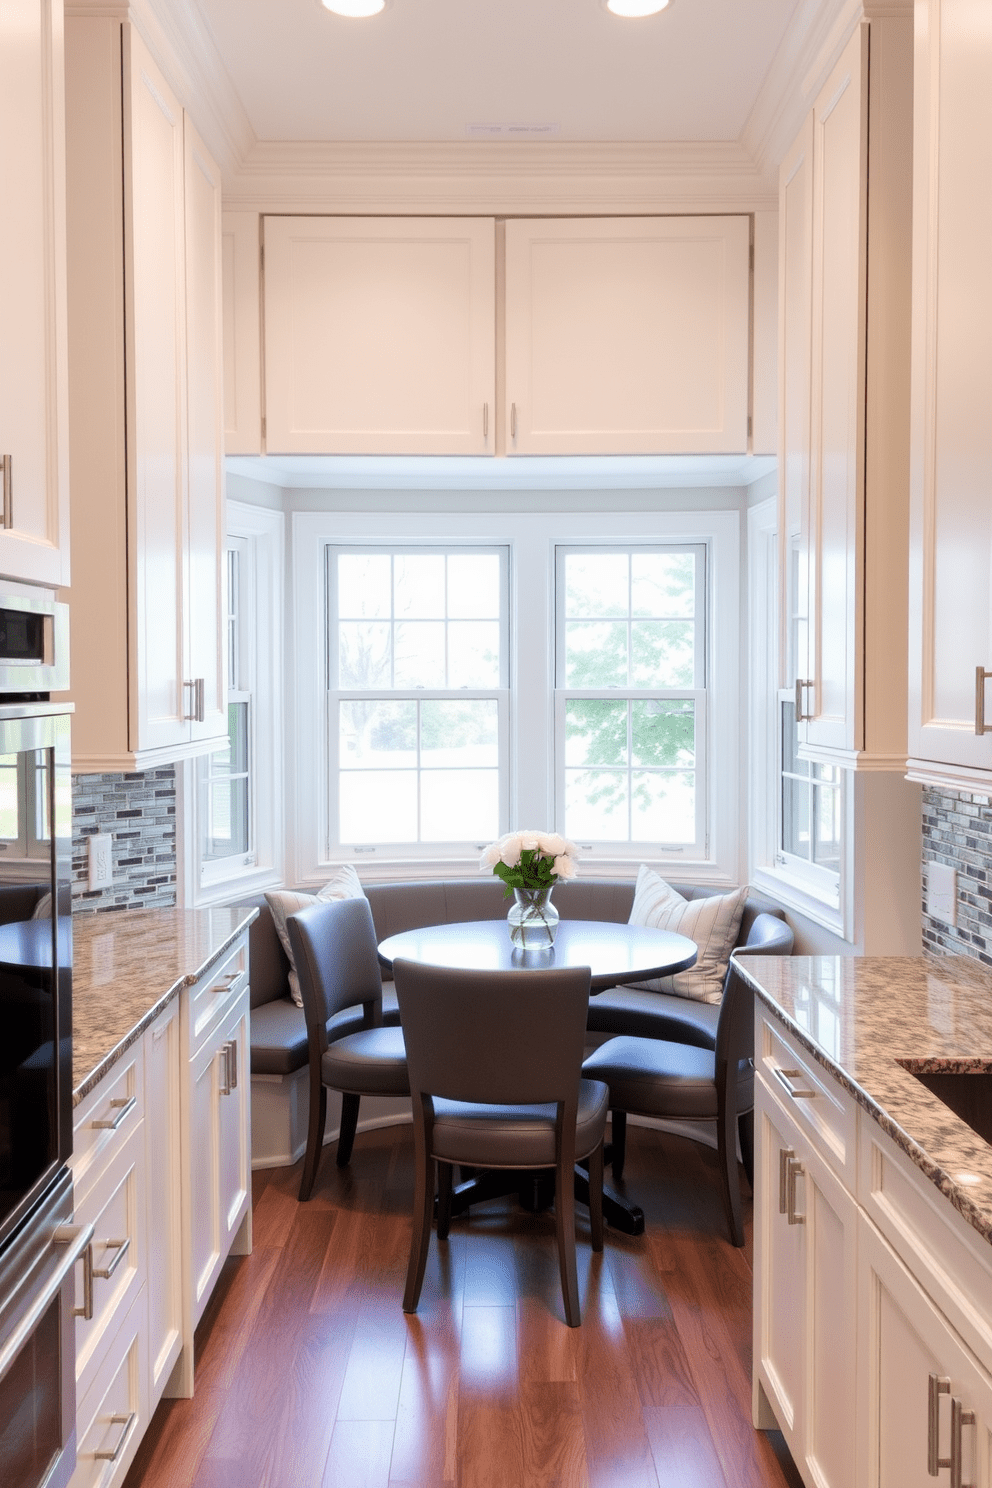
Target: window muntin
(630, 699)
(418, 694)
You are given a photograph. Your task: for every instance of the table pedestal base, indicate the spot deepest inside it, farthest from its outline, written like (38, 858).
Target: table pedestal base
(536, 1192)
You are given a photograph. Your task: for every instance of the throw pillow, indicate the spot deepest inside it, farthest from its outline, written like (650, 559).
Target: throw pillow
(713, 923)
(283, 902)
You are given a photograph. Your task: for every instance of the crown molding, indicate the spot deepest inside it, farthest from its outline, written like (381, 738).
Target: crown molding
(497, 178)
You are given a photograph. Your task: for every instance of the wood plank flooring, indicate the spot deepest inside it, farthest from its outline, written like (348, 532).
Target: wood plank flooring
(309, 1375)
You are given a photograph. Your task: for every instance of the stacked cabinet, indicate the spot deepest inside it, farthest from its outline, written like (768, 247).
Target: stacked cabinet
(950, 713)
(845, 208)
(34, 449)
(146, 433)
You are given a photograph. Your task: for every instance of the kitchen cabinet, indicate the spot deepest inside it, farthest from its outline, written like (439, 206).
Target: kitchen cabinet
(805, 1284)
(163, 1084)
(241, 251)
(34, 447)
(950, 712)
(148, 624)
(845, 210)
(627, 336)
(380, 335)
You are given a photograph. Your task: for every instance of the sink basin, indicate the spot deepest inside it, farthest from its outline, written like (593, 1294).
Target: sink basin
(967, 1094)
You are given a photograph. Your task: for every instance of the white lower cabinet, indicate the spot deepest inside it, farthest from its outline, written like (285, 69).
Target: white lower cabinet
(872, 1296)
(805, 1280)
(926, 1401)
(161, 1166)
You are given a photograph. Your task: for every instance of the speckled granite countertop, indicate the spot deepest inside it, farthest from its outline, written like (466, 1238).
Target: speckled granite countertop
(127, 966)
(872, 1021)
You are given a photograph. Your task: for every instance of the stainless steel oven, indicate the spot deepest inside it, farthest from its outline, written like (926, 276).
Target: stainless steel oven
(39, 1245)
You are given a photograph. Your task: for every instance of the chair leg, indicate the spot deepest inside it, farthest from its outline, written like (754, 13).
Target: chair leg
(618, 1122)
(444, 1176)
(726, 1133)
(596, 1198)
(315, 1136)
(745, 1130)
(423, 1214)
(349, 1125)
(565, 1227)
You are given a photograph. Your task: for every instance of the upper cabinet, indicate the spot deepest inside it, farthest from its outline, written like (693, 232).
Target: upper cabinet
(145, 354)
(380, 335)
(950, 712)
(844, 221)
(34, 447)
(627, 336)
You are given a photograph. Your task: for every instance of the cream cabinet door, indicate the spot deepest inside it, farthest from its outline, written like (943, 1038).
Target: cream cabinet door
(156, 340)
(805, 1297)
(380, 335)
(34, 522)
(164, 1196)
(951, 459)
(204, 614)
(627, 336)
(910, 1358)
(833, 518)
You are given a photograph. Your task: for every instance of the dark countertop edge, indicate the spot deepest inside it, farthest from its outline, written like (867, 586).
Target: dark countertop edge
(189, 979)
(978, 1218)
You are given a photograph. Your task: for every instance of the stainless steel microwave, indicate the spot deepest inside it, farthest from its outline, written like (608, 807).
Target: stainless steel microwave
(34, 645)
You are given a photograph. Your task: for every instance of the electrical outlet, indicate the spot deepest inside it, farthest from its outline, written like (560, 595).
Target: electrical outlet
(101, 861)
(942, 893)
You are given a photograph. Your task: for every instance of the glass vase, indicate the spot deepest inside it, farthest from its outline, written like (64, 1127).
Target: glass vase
(532, 919)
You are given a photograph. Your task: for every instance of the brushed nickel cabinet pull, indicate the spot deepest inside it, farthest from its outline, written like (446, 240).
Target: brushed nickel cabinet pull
(981, 677)
(485, 420)
(120, 1249)
(86, 1311)
(959, 1418)
(6, 466)
(785, 1155)
(123, 1107)
(126, 1422)
(191, 716)
(802, 682)
(234, 1065)
(785, 1077)
(796, 1170)
(938, 1385)
(513, 420)
(230, 1053)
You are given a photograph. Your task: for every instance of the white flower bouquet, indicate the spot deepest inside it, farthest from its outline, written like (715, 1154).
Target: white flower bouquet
(531, 861)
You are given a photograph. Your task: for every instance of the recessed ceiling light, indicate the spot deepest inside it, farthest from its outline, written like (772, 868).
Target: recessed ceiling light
(631, 8)
(357, 8)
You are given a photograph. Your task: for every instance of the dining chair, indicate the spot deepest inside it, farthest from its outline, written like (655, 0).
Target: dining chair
(334, 947)
(679, 1082)
(495, 1064)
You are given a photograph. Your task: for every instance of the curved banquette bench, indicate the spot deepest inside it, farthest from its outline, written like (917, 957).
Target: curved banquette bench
(278, 1030)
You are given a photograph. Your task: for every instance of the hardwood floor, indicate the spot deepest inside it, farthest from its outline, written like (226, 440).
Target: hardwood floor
(309, 1375)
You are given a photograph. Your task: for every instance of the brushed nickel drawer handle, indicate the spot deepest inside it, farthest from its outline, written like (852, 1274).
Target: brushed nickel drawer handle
(127, 1422)
(959, 1418)
(785, 1156)
(981, 677)
(120, 1249)
(938, 1385)
(485, 420)
(796, 1170)
(226, 983)
(86, 1311)
(123, 1106)
(785, 1077)
(6, 467)
(513, 420)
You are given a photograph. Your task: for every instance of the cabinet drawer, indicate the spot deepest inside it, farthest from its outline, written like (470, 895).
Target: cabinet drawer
(103, 1121)
(211, 998)
(115, 1207)
(950, 1260)
(819, 1105)
(112, 1416)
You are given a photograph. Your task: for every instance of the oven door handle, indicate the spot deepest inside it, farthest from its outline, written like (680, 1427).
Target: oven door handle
(76, 1238)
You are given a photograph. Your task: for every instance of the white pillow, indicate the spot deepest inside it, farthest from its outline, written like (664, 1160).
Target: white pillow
(283, 902)
(713, 922)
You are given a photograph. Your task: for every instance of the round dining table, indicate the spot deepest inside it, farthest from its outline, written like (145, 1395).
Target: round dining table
(614, 953)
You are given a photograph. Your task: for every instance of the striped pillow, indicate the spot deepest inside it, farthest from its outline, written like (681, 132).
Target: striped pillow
(283, 902)
(713, 923)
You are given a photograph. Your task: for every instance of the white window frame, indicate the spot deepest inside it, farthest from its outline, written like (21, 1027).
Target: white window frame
(697, 693)
(811, 890)
(336, 694)
(532, 537)
(259, 534)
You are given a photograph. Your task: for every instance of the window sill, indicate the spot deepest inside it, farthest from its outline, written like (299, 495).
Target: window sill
(796, 895)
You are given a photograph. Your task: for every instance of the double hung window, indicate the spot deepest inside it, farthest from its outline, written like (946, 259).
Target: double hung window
(630, 694)
(418, 694)
(225, 779)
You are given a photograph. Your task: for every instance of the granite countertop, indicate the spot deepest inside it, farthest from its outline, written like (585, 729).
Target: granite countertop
(127, 966)
(872, 1021)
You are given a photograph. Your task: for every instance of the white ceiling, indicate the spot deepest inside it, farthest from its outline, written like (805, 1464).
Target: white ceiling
(427, 70)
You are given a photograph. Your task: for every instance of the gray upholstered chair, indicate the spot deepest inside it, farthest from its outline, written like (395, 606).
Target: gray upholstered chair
(495, 1063)
(681, 1082)
(334, 948)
